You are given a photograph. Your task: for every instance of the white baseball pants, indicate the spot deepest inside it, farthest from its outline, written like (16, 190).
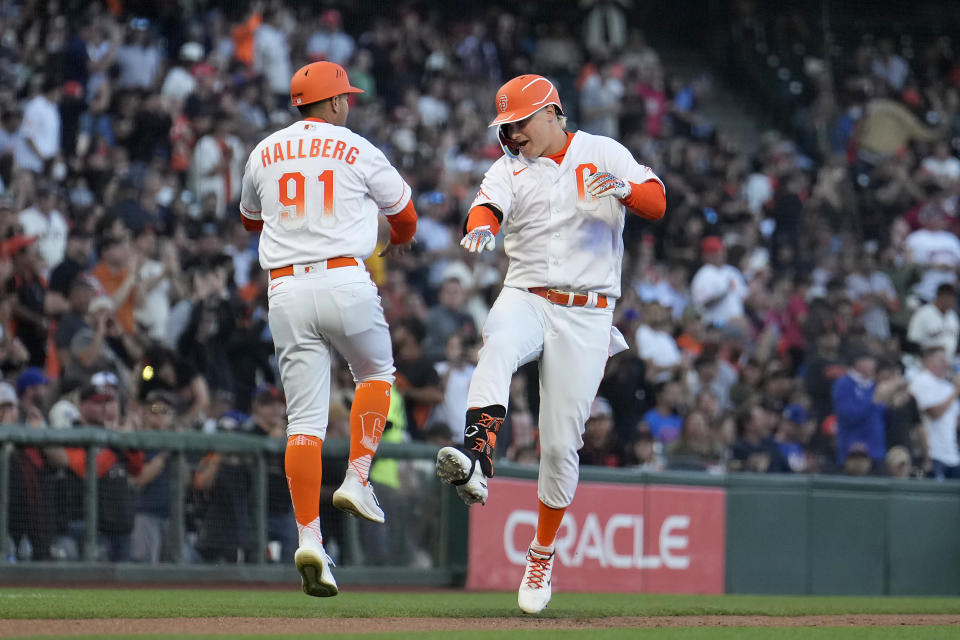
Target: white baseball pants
(311, 312)
(572, 344)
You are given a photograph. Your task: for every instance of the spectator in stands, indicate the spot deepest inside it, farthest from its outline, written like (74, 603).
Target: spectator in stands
(942, 167)
(936, 398)
(755, 450)
(217, 165)
(455, 371)
(600, 445)
(76, 260)
(718, 289)
(224, 484)
(99, 344)
(31, 515)
(873, 296)
(271, 55)
(859, 403)
(898, 462)
(45, 222)
(268, 419)
(601, 102)
(139, 58)
(446, 317)
(936, 251)
(887, 127)
(664, 419)
(417, 380)
(330, 42)
(99, 407)
(656, 345)
(117, 274)
(710, 372)
(936, 323)
(696, 449)
(792, 432)
(41, 126)
(642, 452)
(857, 461)
(151, 536)
(28, 292)
(33, 390)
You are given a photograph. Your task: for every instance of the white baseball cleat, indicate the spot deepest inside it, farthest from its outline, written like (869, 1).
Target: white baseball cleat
(535, 590)
(456, 468)
(356, 497)
(314, 567)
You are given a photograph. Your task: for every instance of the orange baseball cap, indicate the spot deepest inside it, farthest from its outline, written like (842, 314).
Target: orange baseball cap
(318, 81)
(524, 96)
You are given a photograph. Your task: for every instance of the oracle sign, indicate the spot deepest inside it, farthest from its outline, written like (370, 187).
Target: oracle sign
(614, 538)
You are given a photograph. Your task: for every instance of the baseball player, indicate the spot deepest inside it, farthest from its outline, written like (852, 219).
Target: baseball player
(314, 190)
(560, 200)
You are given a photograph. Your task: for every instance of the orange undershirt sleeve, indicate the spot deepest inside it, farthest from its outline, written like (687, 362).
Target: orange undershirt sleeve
(646, 200)
(251, 225)
(403, 224)
(481, 215)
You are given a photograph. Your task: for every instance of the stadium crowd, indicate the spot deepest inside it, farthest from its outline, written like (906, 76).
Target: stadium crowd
(794, 312)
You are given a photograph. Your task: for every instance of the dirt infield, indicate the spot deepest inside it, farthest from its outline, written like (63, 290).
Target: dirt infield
(117, 626)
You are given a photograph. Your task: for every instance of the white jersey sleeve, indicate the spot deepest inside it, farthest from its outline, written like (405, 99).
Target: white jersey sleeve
(387, 188)
(496, 188)
(620, 162)
(249, 198)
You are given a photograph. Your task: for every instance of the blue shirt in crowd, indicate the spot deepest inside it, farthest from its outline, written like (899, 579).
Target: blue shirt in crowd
(859, 418)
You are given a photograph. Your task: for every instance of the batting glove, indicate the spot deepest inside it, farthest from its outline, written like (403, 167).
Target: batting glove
(479, 239)
(602, 184)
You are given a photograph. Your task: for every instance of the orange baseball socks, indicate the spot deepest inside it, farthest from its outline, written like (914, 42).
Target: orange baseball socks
(548, 523)
(304, 469)
(368, 418)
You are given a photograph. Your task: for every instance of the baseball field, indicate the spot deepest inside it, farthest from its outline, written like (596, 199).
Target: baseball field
(139, 612)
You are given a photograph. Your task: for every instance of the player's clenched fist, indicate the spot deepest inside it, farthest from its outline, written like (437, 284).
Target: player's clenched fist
(602, 184)
(479, 239)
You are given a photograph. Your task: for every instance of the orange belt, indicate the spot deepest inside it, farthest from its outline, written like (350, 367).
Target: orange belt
(332, 263)
(569, 298)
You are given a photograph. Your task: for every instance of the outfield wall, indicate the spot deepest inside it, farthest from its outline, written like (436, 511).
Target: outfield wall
(776, 534)
(627, 531)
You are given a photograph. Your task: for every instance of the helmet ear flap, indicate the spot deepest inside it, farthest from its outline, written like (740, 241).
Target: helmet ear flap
(508, 147)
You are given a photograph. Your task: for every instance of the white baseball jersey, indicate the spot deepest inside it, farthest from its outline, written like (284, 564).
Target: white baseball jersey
(554, 232)
(929, 391)
(711, 281)
(318, 188)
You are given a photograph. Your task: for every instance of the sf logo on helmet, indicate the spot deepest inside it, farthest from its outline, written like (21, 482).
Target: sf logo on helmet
(502, 102)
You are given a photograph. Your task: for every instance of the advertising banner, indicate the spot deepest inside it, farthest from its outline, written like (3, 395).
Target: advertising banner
(615, 538)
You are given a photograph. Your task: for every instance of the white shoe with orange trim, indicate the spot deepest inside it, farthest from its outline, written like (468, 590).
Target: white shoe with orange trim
(535, 589)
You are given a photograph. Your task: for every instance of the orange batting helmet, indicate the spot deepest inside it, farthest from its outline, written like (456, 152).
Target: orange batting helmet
(318, 81)
(523, 96)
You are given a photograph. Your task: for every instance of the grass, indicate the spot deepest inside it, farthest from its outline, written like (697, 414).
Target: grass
(133, 603)
(727, 633)
(30, 603)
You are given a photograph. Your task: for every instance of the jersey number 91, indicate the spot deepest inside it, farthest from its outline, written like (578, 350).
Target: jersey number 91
(298, 197)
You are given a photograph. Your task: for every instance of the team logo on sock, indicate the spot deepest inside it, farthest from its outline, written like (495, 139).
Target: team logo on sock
(372, 424)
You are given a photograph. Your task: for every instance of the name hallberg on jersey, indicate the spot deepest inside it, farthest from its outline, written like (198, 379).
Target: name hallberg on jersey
(318, 148)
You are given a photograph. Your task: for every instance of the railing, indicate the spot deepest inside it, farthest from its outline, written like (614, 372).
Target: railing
(449, 550)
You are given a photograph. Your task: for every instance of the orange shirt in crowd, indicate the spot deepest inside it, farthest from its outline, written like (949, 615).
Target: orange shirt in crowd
(111, 281)
(243, 38)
